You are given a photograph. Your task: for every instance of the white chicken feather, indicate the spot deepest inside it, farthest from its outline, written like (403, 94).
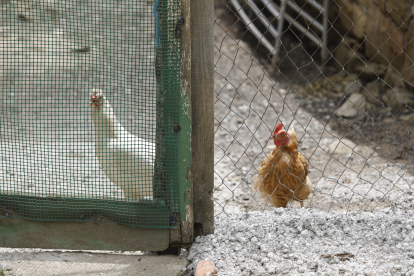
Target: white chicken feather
(128, 161)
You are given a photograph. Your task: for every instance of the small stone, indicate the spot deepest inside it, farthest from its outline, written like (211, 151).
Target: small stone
(399, 98)
(192, 254)
(301, 270)
(204, 268)
(371, 71)
(372, 92)
(406, 119)
(241, 228)
(271, 268)
(242, 239)
(343, 54)
(352, 105)
(341, 147)
(392, 78)
(353, 88)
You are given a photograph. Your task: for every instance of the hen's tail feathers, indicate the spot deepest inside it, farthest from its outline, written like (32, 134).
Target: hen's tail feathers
(309, 184)
(260, 187)
(307, 188)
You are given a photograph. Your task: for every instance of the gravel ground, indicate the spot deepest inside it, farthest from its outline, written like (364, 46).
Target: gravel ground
(309, 242)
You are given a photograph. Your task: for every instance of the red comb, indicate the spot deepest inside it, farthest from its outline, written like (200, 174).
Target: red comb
(278, 128)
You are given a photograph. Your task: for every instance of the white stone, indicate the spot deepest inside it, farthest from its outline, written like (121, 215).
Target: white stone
(341, 147)
(351, 107)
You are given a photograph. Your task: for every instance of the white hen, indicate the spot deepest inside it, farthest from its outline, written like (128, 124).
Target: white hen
(127, 160)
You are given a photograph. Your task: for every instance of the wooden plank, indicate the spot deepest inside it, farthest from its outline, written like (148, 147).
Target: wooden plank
(187, 225)
(19, 233)
(184, 234)
(202, 115)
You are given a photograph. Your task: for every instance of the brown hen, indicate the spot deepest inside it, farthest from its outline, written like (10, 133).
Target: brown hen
(283, 175)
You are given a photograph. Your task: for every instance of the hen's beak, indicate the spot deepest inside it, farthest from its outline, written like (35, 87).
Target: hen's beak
(272, 137)
(93, 101)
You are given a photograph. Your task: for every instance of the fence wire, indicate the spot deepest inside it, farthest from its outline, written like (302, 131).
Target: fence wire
(342, 75)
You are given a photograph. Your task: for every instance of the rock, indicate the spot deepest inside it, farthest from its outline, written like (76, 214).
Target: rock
(373, 94)
(205, 268)
(385, 28)
(397, 267)
(393, 79)
(352, 88)
(399, 10)
(352, 105)
(355, 63)
(370, 71)
(384, 38)
(341, 147)
(353, 18)
(343, 54)
(406, 119)
(380, 28)
(348, 55)
(408, 67)
(398, 99)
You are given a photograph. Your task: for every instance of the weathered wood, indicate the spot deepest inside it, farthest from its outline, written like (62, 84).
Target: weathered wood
(187, 226)
(202, 116)
(184, 234)
(175, 237)
(19, 233)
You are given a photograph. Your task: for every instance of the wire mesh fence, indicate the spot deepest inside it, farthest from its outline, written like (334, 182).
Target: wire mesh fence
(89, 91)
(341, 74)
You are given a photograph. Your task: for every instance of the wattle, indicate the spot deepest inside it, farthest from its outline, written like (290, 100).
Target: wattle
(279, 143)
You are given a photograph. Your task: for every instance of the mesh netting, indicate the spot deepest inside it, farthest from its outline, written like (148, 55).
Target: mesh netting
(342, 74)
(89, 95)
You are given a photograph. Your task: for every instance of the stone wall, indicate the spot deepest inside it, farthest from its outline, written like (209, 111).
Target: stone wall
(377, 34)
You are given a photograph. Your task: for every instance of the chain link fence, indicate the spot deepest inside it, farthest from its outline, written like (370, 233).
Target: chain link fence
(342, 75)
